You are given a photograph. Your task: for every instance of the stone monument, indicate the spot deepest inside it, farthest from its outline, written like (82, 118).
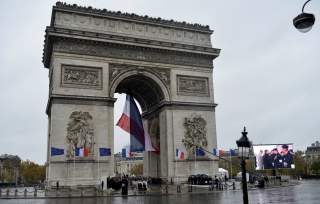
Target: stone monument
(166, 65)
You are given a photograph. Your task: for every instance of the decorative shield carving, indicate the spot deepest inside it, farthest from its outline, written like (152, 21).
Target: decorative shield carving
(79, 133)
(195, 134)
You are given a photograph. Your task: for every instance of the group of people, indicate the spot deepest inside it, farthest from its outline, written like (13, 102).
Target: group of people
(275, 159)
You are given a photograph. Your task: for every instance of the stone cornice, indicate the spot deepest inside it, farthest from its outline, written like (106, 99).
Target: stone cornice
(176, 105)
(74, 99)
(129, 16)
(52, 33)
(128, 52)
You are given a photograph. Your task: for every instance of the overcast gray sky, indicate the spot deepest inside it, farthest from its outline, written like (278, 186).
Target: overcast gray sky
(266, 77)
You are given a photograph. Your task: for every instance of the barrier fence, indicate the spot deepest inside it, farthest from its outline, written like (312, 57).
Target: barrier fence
(168, 186)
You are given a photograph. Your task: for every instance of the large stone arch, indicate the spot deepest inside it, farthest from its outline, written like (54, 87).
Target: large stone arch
(166, 65)
(155, 83)
(151, 92)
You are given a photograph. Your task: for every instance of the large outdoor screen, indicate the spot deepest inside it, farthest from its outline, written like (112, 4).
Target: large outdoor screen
(274, 156)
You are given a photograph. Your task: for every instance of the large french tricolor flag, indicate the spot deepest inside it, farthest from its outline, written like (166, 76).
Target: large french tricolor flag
(131, 122)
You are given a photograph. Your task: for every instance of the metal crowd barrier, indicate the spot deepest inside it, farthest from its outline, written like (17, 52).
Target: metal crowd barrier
(70, 192)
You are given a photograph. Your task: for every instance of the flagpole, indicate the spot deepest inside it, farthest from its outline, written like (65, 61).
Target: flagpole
(230, 176)
(99, 164)
(74, 166)
(195, 159)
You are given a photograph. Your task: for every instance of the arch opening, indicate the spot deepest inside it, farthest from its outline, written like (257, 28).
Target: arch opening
(148, 94)
(143, 89)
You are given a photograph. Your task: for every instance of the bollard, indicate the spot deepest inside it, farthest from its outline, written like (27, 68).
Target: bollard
(8, 191)
(16, 192)
(35, 192)
(233, 186)
(25, 192)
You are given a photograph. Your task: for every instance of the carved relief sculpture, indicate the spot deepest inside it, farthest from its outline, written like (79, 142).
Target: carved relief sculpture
(82, 77)
(190, 85)
(195, 134)
(79, 133)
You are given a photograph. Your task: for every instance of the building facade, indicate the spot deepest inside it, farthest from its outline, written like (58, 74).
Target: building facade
(124, 165)
(313, 151)
(9, 169)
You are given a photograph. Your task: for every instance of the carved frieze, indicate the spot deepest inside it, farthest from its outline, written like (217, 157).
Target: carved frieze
(117, 69)
(81, 77)
(191, 85)
(195, 134)
(132, 28)
(80, 134)
(132, 53)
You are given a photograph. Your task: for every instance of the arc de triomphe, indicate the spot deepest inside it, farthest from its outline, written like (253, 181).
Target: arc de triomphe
(166, 65)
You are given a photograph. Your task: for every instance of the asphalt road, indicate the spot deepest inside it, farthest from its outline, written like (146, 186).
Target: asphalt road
(307, 192)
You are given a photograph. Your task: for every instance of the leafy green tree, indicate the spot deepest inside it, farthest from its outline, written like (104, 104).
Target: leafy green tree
(315, 167)
(32, 173)
(137, 169)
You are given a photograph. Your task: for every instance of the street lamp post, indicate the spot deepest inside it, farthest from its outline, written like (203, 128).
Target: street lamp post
(304, 21)
(244, 146)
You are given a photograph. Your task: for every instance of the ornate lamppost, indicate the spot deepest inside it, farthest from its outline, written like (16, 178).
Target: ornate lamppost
(304, 21)
(244, 146)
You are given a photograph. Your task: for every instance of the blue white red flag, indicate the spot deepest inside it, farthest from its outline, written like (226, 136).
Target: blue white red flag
(179, 154)
(81, 152)
(131, 122)
(215, 152)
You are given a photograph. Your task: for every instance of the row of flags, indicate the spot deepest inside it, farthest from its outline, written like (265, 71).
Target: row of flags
(126, 153)
(131, 122)
(81, 152)
(180, 155)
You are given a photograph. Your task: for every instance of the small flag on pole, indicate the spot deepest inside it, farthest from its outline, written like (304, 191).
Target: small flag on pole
(82, 152)
(179, 154)
(200, 152)
(232, 152)
(56, 151)
(104, 151)
(221, 152)
(216, 152)
(126, 153)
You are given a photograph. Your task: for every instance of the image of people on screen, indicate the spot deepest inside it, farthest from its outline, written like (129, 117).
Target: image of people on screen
(274, 156)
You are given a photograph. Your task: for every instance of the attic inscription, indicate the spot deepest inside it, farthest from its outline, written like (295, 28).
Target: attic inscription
(81, 77)
(190, 85)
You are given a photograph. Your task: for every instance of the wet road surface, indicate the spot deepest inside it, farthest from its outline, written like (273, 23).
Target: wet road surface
(307, 192)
